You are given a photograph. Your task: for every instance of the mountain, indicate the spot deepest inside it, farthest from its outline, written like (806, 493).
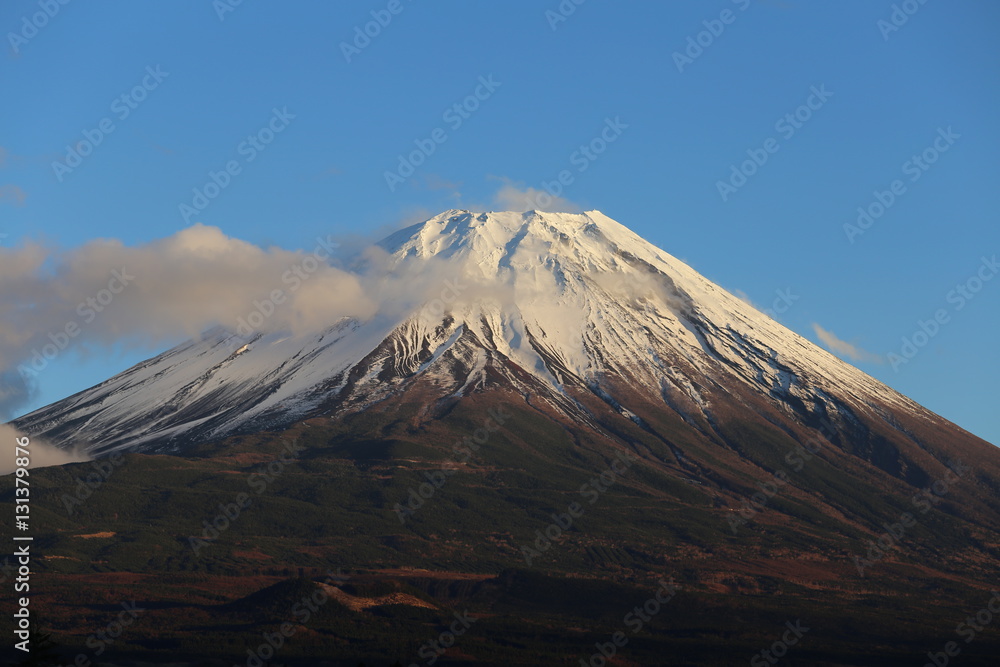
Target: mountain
(541, 361)
(574, 314)
(552, 305)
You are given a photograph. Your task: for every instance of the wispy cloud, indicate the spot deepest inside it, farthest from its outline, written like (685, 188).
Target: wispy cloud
(43, 454)
(330, 171)
(436, 182)
(11, 160)
(514, 196)
(843, 348)
(745, 298)
(12, 194)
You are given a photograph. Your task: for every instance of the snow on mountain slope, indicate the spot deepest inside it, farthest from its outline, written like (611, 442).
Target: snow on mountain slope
(593, 295)
(566, 299)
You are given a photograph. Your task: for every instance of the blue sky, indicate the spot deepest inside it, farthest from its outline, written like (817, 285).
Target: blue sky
(199, 79)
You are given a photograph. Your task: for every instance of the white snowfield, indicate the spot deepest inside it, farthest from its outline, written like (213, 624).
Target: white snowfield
(567, 298)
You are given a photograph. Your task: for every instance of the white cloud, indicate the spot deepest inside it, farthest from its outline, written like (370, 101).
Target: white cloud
(106, 293)
(843, 348)
(41, 453)
(514, 196)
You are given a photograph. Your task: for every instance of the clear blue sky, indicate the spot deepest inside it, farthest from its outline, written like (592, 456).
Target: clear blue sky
(892, 90)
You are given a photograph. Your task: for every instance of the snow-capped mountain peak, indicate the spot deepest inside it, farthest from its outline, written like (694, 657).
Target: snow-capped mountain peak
(550, 303)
